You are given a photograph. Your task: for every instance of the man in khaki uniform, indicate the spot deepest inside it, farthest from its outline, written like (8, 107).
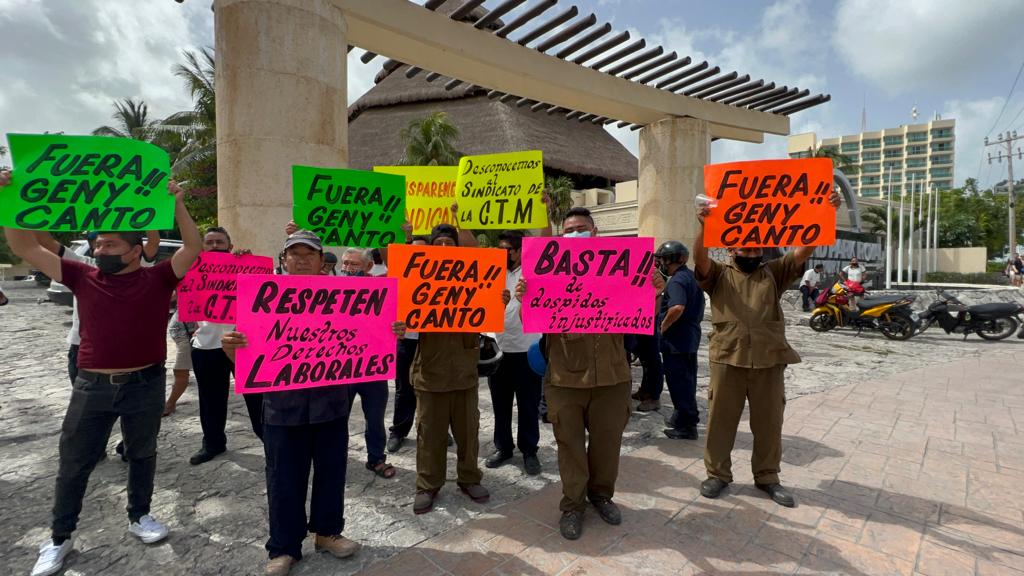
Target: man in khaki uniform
(587, 389)
(748, 354)
(445, 380)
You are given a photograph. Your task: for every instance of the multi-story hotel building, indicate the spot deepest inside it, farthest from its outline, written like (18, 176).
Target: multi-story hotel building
(918, 153)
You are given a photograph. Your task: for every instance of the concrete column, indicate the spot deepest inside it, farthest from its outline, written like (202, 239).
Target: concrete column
(673, 153)
(281, 100)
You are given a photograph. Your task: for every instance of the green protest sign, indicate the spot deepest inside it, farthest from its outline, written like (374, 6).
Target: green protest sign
(75, 183)
(349, 207)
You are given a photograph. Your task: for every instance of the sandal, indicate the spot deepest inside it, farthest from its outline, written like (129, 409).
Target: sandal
(382, 469)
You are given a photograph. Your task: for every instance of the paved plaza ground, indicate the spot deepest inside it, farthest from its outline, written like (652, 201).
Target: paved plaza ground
(905, 458)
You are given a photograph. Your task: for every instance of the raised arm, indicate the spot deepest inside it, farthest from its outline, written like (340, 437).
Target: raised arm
(701, 261)
(192, 242)
(46, 240)
(152, 245)
(26, 246)
(466, 237)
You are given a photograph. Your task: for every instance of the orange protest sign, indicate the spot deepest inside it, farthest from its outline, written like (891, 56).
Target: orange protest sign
(449, 289)
(770, 203)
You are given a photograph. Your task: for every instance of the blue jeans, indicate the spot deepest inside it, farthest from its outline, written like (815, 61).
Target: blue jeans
(374, 397)
(95, 405)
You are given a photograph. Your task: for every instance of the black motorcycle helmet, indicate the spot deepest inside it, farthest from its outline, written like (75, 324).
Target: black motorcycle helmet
(490, 355)
(671, 252)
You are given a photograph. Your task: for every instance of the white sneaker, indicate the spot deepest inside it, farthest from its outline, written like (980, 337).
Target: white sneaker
(51, 558)
(148, 529)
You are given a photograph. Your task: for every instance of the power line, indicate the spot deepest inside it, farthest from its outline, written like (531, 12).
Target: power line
(1007, 101)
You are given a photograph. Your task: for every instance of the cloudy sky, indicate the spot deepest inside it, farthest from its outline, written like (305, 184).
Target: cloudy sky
(66, 61)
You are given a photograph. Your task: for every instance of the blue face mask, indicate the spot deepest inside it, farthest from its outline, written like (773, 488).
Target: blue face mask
(580, 234)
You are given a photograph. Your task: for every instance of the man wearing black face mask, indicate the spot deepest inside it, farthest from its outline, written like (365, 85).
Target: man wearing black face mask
(748, 355)
(123, 308)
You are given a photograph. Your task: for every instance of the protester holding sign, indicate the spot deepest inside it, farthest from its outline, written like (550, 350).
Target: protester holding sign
(748, 350)
(212, 366)
(349, 207)
(123, 307)
(302, 429)
(374, 394)
(444, 376)
(587, 392)
(513, 377)
(405, 397)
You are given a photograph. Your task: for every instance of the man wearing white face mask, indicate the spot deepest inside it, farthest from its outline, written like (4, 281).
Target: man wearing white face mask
(587, 386)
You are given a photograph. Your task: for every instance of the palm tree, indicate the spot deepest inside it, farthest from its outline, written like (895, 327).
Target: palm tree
(559, 189)
(430, 141)
(198, 126)
(133, 121)
(845, 163)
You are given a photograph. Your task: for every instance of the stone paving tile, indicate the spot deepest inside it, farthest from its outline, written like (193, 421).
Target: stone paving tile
(915, 469)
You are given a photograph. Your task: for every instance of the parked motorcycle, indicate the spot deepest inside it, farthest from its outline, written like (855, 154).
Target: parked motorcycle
(990, 321)
(890, 315)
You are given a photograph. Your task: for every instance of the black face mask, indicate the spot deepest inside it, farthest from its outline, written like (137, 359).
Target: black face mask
(747, 264)
(510, 263)
(110, 263)
(344, 273)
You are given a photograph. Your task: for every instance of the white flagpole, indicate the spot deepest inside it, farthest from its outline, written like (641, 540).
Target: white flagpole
(899, 245)
(926, 267)
(935, 235)
(888, 234)
(910, 238)
(920, 234)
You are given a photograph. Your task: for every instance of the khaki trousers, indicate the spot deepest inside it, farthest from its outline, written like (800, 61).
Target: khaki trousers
(588, 470)
(731, 387)
(435, 412)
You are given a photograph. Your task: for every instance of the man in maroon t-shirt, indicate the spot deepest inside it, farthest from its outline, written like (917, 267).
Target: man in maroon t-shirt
(123, 309)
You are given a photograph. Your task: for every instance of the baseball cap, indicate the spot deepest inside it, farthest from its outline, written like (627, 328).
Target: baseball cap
(304, 237)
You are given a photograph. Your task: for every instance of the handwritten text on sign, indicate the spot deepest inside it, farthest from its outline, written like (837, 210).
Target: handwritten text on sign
(588, 285)
(349, 207)
(449, 289)
(770, 203)
(502, 191)
(208, 290)
(74, 183)
(312, 331)
(429, 194)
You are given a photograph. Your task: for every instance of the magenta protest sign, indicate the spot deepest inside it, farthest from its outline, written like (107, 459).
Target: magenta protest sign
(312, 331)
(207, 292)
(588, 285)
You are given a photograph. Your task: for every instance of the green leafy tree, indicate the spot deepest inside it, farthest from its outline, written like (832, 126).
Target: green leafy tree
(132, 121)
(845, 163)
(559, 189)
(430, 141)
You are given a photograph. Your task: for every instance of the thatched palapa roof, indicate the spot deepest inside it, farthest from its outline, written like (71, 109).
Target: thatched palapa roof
(486, 126)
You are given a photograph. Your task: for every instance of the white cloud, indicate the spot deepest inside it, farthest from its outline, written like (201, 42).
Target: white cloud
(973, 120)
(915, 44)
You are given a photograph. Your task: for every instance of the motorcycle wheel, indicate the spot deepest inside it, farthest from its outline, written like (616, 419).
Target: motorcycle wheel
(997, 329)
(822, 322)
(896, 327)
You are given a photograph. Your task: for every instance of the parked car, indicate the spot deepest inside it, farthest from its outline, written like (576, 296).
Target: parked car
(59, 293)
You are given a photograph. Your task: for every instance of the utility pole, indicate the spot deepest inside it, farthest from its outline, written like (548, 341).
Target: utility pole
(1007, 141)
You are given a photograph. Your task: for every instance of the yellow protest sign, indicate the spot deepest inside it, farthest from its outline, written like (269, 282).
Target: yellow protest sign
(502, 191)
(429, 194)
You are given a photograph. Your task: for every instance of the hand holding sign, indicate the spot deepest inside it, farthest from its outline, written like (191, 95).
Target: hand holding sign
(349, 207)
(770, 203)
(75, 183)
(502, 191)
(587, 286)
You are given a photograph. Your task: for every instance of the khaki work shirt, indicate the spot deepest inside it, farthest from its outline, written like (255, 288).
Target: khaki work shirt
(586, 360)
(748, 328)
(446, 361)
